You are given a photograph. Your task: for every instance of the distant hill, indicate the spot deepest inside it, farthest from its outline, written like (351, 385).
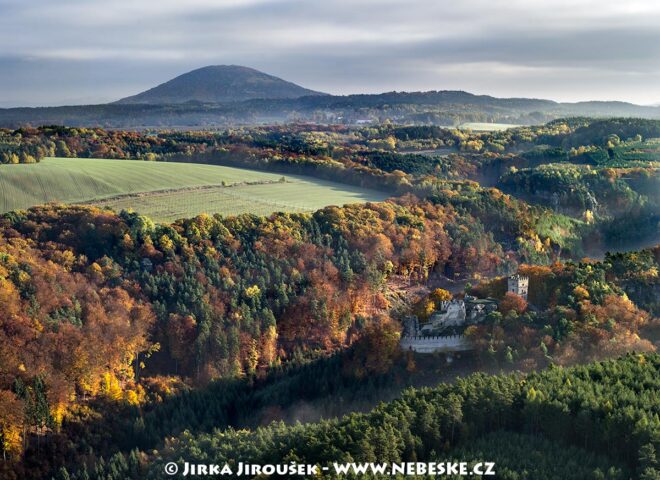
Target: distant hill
(222, 96)
(219, 84)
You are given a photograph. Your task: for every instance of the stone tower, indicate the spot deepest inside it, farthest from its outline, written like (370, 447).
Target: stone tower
(519, 285)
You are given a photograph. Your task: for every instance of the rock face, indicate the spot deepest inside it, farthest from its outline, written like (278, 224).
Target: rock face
(219, 84)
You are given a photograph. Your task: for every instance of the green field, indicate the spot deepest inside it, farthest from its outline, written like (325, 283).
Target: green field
(167, 191)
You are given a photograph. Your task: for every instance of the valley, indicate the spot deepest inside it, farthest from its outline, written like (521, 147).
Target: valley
(334, 240)
(139, 327)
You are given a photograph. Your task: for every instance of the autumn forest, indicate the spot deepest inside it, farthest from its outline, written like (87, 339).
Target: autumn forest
(127, 343)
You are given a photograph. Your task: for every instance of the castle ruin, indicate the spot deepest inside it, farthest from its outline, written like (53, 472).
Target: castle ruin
(443, 332)
(518, 285)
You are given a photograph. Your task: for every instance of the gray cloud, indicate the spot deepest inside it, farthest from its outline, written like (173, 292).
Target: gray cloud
(82, 51)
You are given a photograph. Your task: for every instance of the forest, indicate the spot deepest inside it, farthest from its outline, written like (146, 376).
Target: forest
(598, 175)
(129, 343)
(580, 311)
(565, 422)
(148, 311)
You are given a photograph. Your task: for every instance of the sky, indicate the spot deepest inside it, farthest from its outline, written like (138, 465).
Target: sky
(89, 51)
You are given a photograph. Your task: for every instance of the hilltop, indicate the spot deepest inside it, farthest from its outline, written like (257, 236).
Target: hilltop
(219, 84)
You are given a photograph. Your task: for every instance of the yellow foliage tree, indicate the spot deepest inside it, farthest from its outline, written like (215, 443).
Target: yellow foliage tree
(253, 291)
(581, 293)
(440, 295)
(110, 387)
(269, 346)
(588, 217)
(425, 308)
(11, 424)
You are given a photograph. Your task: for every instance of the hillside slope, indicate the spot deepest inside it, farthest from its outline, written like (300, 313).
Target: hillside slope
(166, 191)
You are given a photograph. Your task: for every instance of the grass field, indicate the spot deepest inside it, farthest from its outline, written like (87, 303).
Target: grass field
(167, 191)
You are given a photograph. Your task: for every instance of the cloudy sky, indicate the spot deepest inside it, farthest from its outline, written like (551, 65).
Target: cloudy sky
(91, 51)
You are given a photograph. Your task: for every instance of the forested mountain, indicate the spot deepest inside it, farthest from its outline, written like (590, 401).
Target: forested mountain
(219, 84)
(141, 306)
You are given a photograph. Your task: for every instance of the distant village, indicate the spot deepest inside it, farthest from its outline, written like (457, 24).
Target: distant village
(443, 332)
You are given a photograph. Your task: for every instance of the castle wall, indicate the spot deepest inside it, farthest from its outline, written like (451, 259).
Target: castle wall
(452, 343)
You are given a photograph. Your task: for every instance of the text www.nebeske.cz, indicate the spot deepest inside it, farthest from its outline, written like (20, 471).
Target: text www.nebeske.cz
(295, 469)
